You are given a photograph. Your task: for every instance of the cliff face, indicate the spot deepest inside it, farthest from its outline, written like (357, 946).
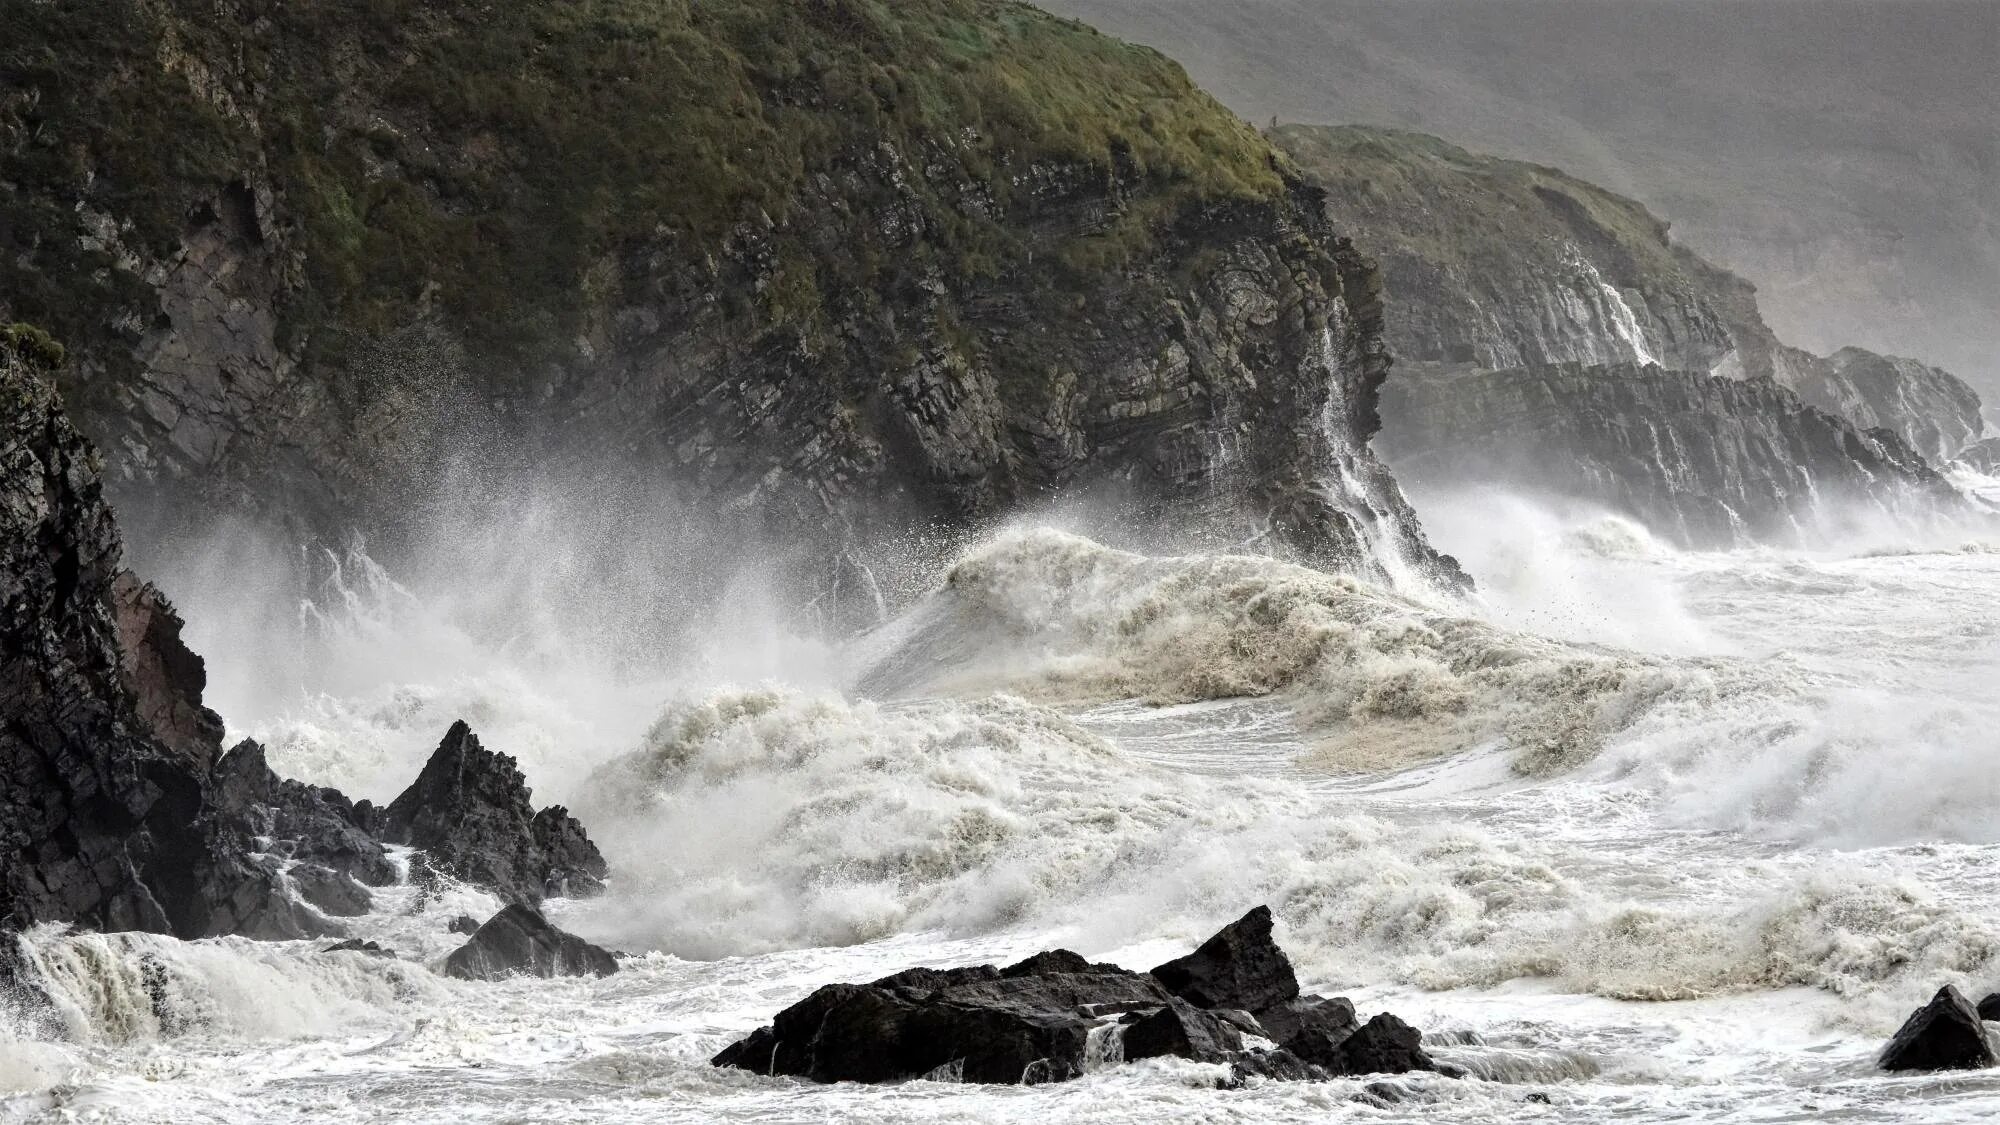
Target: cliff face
(118, 808)
(103, 821)
(1708, 463)
(1495, 263)
(834, 265)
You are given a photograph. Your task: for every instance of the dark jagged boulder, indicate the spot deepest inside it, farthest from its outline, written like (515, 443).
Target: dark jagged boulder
(1029, 1022)
(463, 924)
(1037, 1021)
(1945, 1034)
(1383, 1045)
(518, 941)
(469, 812)
(1282, 1021)
(1182, 1030)
(312, 825)
(1240, 967)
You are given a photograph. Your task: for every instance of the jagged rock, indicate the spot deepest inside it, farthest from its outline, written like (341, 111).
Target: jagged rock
(1182, 1030)
(463, 924)
(316, 826)
(101, 824)
(1029, 1022)
(356, 945)
(518, 941)
(164, 678)
(1383, 1045)
(1240, 967)
(1945, 1034)
(469, 812)
(1282, 1021)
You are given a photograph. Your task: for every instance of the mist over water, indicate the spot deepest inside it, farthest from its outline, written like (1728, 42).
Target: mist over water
(1665, 830)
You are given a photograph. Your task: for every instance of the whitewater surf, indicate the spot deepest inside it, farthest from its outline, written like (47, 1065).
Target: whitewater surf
(1635, 833)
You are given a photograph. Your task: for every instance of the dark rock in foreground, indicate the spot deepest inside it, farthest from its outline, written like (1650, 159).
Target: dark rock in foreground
(1945, 1034)
(518, 941)
(469, 812)
(1240, 967)
(1383, 1045)
(1184, 1031)
(1046, 1018)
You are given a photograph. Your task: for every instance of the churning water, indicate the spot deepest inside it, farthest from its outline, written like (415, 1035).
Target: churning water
(1639, 835)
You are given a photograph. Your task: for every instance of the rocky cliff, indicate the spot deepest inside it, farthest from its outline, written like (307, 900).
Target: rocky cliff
(1707, 463)
(1496, 263)
(118, 808)
(831, 265)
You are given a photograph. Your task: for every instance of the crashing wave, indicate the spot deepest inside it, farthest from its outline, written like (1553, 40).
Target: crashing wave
(1379, 679)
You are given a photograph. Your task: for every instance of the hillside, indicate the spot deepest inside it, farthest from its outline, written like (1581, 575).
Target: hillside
(813, 256)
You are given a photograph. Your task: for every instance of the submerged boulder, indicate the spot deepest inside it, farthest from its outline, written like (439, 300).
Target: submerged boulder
(469, 812)
(518, 941)
(1945, 1034)
(1240, 967)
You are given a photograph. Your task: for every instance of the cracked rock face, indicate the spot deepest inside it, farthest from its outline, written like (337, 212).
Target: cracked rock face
(1703, 462)
(469, 812)
(102, 822)
(1495, 264)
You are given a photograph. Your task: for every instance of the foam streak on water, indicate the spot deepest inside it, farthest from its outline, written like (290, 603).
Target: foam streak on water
(1650, 836)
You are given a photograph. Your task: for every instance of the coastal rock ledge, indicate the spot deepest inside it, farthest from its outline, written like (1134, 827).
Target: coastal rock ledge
(1055, 1015)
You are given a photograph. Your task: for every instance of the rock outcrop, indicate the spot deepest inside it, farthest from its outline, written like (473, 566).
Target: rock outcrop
(870, 289)
(118, 810)
(1240, 967)
(1945, 1034)
(469, 813)
(518, 941)
(1046, 1018)
(1703, 462)
(1931, 409)
(101, 822)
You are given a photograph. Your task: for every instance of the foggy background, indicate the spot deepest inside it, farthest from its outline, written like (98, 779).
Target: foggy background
(1842, 155)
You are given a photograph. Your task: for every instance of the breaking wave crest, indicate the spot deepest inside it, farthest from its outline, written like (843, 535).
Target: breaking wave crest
(1380, 679)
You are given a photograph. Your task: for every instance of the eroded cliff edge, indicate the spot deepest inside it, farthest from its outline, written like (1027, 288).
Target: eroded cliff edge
(832, 266)
(1592, 312)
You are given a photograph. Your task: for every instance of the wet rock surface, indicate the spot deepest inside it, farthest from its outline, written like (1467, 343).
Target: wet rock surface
(518, 941)
(1055, 1014)
(1702, 462)
(469, 812)
(1240, 967)
(118, 808)
(1945, 1034)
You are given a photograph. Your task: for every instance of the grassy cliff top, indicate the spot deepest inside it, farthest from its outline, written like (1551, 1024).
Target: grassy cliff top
(483, 158)
(1418, 194)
